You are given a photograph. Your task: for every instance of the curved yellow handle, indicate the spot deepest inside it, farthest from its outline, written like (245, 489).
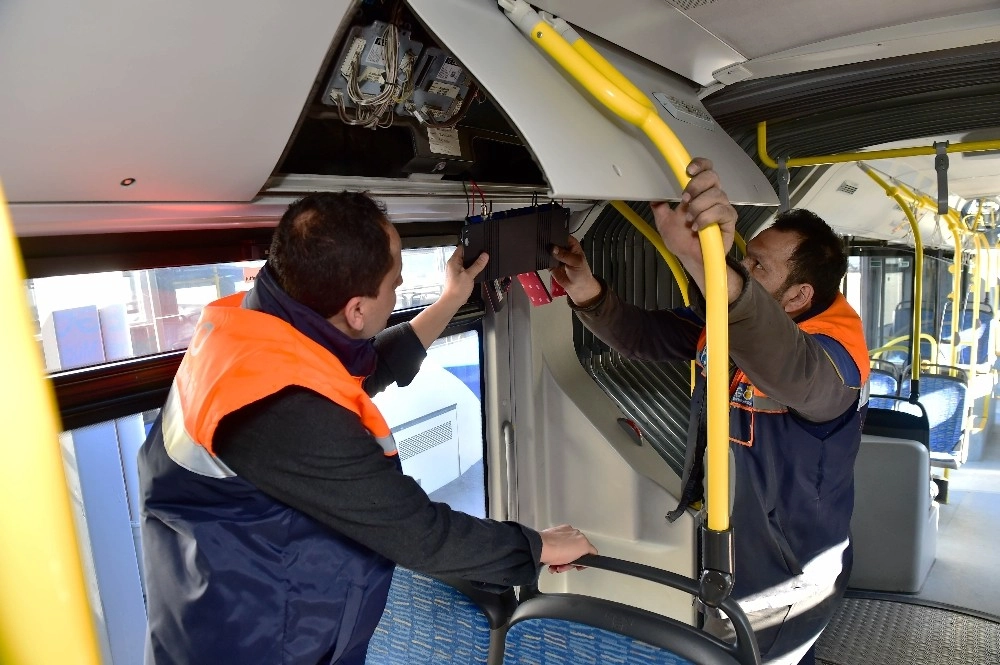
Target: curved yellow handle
(44, 616)
(716, 292)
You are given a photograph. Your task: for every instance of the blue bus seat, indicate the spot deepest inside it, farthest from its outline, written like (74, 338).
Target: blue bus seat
(882, 382)
(564, 628)
(965, 324)
(943, 396)
(428, 621)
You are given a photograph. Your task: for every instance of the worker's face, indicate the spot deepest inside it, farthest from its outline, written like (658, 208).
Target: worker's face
(381, 306)
(768, 259)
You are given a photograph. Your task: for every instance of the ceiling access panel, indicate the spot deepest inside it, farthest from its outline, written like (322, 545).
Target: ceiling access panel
(583, 150)
(117, 101)
(653, 29)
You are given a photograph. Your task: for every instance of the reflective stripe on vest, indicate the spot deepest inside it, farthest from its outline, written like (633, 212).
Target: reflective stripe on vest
(239, 356)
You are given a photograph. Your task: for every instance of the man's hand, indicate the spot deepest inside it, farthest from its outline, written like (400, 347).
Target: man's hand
(459, 281)
(458, 284)
(573, 273)
(563, 544)
(703, 203)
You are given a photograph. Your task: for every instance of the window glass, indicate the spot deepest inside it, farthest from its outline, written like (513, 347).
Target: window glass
(423, 276)
(438, 424)
(83, 320)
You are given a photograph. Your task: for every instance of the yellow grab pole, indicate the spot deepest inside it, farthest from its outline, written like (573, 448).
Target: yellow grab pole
(44, 615)
(918, 268)
(603, 67)
(716, 291)
(675, 266)
(970, 146)
(956, 287)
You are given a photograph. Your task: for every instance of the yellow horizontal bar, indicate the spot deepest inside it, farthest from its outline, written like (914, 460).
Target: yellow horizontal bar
(970, 146)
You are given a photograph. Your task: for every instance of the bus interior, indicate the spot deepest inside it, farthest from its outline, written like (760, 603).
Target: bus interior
(147, 151)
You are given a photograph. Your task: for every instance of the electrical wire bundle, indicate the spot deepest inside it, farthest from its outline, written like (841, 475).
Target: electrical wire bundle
(375, 110)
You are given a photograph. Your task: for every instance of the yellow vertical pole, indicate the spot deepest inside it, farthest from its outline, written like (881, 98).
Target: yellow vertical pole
(44, 616)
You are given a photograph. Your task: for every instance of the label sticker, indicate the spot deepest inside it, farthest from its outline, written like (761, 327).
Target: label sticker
(450, 71)
(376, 54)
(444, 89)
(444, 141)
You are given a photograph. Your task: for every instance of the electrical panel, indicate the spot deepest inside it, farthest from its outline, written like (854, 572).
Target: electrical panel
(441, 86)
(365, 63)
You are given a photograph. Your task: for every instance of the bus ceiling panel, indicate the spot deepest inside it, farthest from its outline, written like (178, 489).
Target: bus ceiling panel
(855, 205)
(653, 29)
(170, 101)
(584, 151)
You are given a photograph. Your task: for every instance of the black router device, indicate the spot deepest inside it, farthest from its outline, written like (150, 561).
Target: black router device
(517, 241)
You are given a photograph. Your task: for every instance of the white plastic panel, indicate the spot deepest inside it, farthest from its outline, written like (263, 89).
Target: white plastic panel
(582, 149)
(194, 100)
(653, 29)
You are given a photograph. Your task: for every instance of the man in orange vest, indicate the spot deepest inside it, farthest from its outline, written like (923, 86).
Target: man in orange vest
(796, 402)
(273, 501)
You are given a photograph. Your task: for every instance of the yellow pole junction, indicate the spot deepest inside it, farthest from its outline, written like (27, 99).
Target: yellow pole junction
(44, 615)
(918, 267)
(840, 158)
(648, 120)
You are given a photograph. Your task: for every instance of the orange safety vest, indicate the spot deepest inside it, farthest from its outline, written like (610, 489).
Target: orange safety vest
(238, 356)
(839, 321)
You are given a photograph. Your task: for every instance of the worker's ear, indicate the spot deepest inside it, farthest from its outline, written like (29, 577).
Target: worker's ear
(352, 317)
(798, 298)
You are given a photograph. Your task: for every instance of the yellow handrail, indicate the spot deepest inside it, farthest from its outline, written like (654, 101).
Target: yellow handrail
(605, 68)
(675, 266)
(893, 345)
(716, 292)
(44, 615)
(970, 146)
(918, 268)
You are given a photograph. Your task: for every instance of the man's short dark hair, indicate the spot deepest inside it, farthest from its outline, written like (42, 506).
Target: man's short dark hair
(819, 259)
(329, 248)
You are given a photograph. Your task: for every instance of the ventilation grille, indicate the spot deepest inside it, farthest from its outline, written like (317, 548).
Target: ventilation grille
(847, 187)
(688, 5)
(429, 438)
(656, 395)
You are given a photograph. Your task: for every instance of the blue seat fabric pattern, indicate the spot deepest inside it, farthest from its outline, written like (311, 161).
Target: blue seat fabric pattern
(427, 622)
(944, 400)
(561, 642)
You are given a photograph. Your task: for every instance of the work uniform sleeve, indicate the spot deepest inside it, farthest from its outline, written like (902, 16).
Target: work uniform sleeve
(316, 456)
(400, 354)
(788, 364)
(666, 334)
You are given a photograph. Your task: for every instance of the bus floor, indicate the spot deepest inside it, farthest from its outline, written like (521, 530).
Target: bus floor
(955, 617)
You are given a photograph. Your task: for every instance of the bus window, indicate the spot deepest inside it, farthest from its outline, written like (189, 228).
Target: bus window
(437, 422)
(85, 320)
(423, 276)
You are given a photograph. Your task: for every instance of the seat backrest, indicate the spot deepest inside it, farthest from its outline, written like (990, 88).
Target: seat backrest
(428, 621)
(897, 419)
(881, 382)
(943, 398)
(572, 628)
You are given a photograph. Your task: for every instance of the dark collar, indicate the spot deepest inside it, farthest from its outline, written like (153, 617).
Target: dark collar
(358, 355)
